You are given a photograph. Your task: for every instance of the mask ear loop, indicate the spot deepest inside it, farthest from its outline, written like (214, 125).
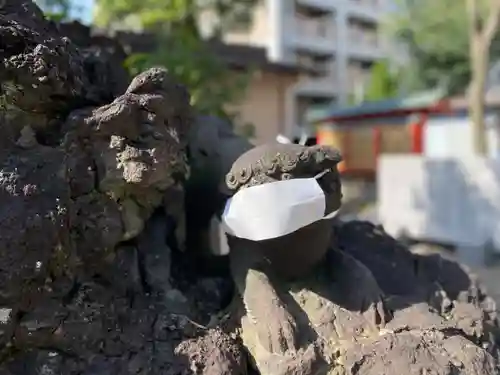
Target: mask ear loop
(321, 174)
(331, 214)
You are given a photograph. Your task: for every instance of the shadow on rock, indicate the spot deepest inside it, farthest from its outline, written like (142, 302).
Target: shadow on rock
(88, 185)
(95, 277)
(431, 299)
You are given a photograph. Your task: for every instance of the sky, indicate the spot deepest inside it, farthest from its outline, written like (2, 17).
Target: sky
(85, 13)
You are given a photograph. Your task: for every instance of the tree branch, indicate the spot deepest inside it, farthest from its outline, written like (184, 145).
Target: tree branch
(473, 17)
(492, 23)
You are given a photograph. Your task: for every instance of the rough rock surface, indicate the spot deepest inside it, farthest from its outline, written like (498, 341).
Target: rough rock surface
(212, 147)
(87, 178)
(94, 173)
(374, 308)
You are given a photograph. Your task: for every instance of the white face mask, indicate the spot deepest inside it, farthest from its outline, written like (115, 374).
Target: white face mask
(275, 209)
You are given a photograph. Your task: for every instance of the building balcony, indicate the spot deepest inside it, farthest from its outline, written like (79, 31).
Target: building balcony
(369, 10)
(313, 45)
(365, 46)
(313, 39)
(366, 52)
(316, 68)
(318, 87)
(320, 5)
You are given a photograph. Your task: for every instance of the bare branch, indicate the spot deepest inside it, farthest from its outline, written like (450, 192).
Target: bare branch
(492, 23)
(472, 16)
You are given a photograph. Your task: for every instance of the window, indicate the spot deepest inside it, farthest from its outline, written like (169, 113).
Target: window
(324, 27)
(363, 32)
(322, 65)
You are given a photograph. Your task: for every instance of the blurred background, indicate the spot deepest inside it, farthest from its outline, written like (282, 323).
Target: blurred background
(408, 90)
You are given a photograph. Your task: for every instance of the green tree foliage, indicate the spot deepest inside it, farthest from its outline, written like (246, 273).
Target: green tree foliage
(169, 14)
(182, 47)
(58, 10)
(383, 84)
(435, 31)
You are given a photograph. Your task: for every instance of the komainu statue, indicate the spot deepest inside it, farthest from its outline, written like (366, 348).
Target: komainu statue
(311, 306)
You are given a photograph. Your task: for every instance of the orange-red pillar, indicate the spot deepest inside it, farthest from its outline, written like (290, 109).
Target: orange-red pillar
(377, 141)
(377, 146)
(346, 145)
(417, 134)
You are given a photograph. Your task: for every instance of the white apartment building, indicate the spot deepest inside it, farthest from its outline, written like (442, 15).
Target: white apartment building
(338, 39)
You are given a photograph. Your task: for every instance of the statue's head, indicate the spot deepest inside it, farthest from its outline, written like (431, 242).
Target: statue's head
(294, 253)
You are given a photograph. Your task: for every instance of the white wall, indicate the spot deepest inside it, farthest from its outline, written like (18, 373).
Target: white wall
(277, 23)
(442, 199)
(447, 137)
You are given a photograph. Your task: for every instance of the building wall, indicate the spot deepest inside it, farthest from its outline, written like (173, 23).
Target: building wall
(450, 200)
(448, 136)
(341, 37)
(264, 104)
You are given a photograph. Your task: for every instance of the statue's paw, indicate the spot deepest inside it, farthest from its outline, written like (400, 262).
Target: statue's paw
(277, 333)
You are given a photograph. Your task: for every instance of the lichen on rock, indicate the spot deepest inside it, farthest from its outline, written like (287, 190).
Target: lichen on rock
(41, 75)
(135, 145)
(86, 286)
